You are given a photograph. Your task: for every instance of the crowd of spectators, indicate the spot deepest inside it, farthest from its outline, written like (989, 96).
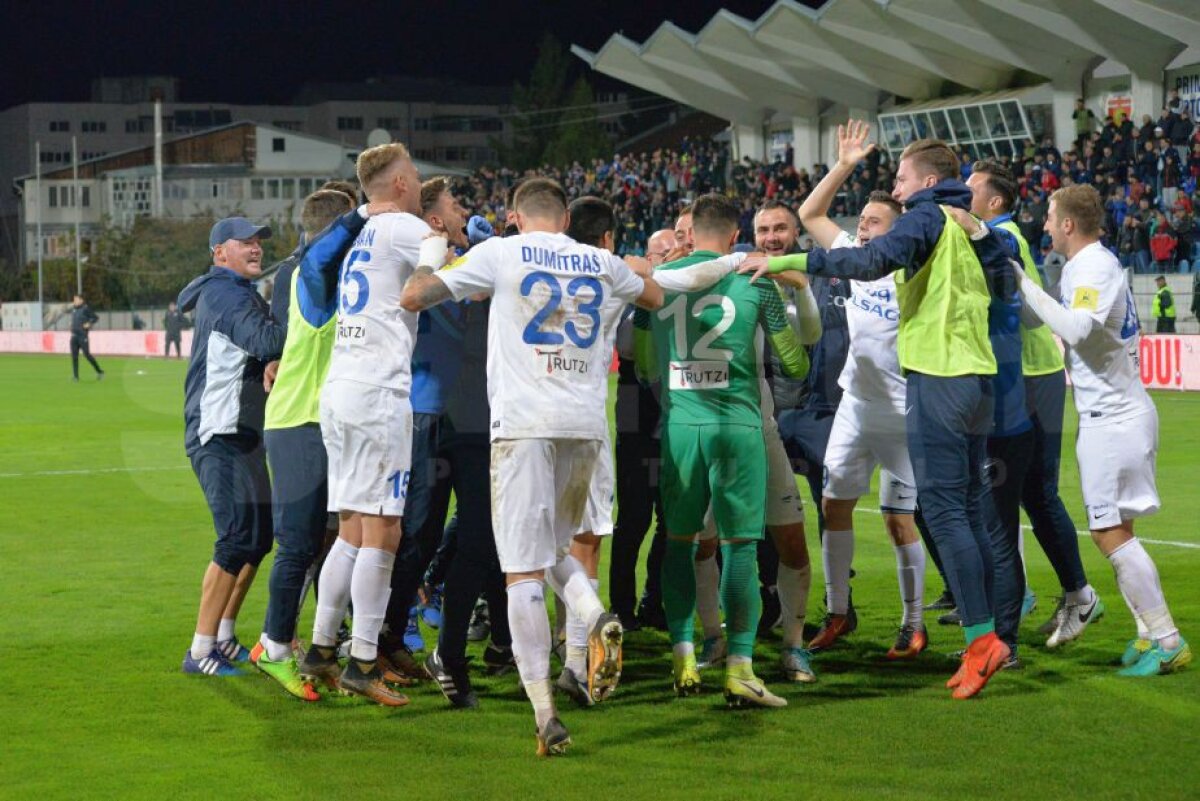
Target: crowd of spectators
(1148, 175)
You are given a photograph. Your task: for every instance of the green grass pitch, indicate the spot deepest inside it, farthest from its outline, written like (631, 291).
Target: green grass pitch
(105, 536)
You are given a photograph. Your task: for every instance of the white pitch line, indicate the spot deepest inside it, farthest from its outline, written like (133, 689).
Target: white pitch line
(1084, 534)
(93, 471)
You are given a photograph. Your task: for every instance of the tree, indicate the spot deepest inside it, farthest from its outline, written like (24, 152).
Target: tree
(538, 107)
(578, 136)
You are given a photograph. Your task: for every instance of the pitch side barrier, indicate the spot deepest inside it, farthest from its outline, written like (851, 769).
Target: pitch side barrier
(1167, 361)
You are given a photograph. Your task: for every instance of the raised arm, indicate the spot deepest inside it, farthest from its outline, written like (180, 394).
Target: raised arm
(814, 211)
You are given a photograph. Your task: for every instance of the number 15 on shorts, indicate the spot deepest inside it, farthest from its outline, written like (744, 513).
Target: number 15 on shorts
(397, 484)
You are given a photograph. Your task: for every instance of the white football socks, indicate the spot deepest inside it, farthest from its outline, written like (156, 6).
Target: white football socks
(577, 638)
(571, 582)
(837, 554)
(1143, 633)
(910, 573)
(225, 629)
(1137, 577)
(370, 588)
(541, 695)
(336, 575)
(531, 644)
(276, 651)
(202, 645)
(708, 596)
(1080, 597)
(793, 586)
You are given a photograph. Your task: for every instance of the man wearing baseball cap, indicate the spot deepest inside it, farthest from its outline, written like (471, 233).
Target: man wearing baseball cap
(224, 401)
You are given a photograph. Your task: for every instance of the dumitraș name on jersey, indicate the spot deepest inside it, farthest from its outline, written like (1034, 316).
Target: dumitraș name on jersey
(548, 258)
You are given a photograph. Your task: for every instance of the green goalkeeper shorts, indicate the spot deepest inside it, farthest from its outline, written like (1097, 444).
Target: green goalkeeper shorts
(725, 465)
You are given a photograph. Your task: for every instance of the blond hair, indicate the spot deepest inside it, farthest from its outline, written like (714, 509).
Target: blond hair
(932, 156)
(375, 161)
(1082, 205)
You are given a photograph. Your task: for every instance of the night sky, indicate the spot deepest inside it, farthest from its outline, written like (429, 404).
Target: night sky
(261, 52)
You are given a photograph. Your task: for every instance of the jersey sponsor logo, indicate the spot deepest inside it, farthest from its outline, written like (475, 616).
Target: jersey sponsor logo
(877, 302)
(348, 334)
(1086, 297)
(557, 361)
(699, 375)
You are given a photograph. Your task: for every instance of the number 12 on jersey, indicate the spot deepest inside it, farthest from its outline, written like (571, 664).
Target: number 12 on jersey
(698, 365)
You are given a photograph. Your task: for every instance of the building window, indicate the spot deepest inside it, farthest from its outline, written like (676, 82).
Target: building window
(424, 153)
(256, 189)
(60, 126)
(273, 189)
(390, 123)
(289, 189)
(350, 123)
(288, 125)
(467, 124)
(85, 196)
(277, 144)
(54, 197)
(421, 124)
(94, 126)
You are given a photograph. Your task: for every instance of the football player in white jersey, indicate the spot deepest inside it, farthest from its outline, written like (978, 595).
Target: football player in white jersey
(869, 427)
(366, 423)
(594, 223)
(547, 385)
(1118, 424)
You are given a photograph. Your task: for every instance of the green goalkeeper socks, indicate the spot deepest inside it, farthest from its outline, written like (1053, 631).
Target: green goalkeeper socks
(739, 596)
(679, 589)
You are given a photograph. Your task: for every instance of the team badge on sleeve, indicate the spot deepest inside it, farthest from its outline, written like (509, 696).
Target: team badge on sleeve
(1087, 298)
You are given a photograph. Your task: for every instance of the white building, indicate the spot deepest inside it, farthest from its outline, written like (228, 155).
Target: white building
(258, 171)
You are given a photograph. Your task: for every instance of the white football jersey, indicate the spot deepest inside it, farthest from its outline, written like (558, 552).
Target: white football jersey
(548, 350)
(1104, 366)
(375, 336)
(872, 371)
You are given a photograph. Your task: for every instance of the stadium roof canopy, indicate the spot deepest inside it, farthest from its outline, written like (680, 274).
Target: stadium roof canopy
(795, 60)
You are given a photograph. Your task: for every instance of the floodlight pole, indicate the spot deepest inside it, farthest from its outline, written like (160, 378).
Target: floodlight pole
(77, 201)
(37, 160)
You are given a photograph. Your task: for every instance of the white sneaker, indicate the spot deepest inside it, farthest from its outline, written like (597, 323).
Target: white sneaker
(1051, 624)
(713, 652)
(1076, 618)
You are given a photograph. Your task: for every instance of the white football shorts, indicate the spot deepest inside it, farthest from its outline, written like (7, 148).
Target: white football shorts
(598, 516)
(1116, 470)
(540, 491)
(368, 436)
(866, 434)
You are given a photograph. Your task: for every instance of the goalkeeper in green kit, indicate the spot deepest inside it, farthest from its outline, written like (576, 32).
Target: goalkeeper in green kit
(704, 347)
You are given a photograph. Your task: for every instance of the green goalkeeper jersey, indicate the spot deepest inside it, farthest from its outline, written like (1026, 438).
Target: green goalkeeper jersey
(702, 345)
